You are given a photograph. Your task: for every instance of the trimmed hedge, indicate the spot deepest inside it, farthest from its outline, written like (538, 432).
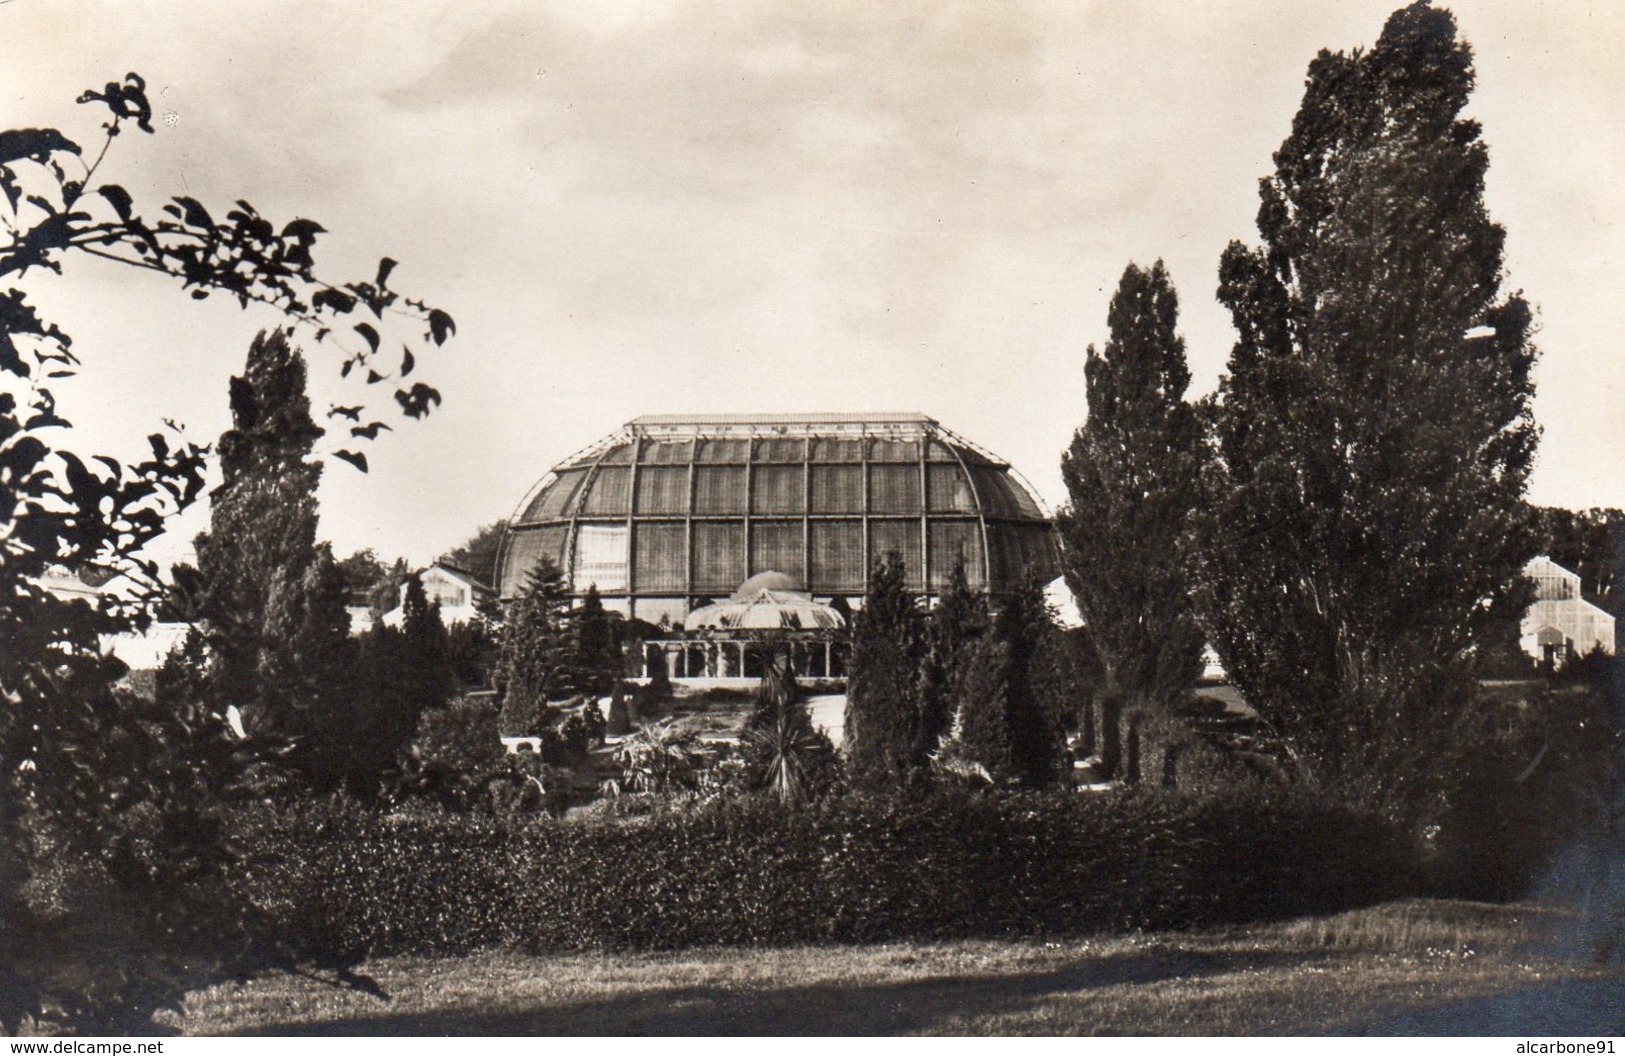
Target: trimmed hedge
(341, 882)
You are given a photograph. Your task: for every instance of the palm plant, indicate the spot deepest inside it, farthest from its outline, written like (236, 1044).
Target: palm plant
(658, 759)
(789, 753)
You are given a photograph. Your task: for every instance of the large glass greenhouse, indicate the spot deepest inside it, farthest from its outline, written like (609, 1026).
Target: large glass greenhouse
(669, 513)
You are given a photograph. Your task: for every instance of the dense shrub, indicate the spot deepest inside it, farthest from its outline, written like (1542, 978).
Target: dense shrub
(853, 869)
(1544, 775)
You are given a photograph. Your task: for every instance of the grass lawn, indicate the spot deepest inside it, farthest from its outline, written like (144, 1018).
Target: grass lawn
(1405, 968)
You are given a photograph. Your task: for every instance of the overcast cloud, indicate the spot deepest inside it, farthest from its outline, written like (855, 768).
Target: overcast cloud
(774, 206)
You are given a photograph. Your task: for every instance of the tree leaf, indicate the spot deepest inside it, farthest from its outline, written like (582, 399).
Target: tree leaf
(385, 266)
(417, 401)
(336, 300)
(408, 361)
(441, 326)
(8, 184)
(34, 144)
(355, 458)
(367, 332)
(118, 197)
(194, 213)
(302, 230)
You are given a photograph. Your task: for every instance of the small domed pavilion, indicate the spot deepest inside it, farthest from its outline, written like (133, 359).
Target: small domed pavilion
(731, 638)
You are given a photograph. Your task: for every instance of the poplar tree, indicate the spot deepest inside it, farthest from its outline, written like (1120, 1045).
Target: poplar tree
(1375, 432)
(1132, 476)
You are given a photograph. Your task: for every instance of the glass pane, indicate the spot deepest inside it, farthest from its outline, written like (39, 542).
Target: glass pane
(836, 449)
(836, 555)
(894, 489)
(837, 489)
(554, 498)
(894, 451)
(950, 491)
(660, 561)
(524, 550)
(719, 556)
(780, 449)
(601, 557)
(777, 489)
(667, 452)
(953, 541)
(1001, 495)
(1019, 551)
(723, 451)
(609, 492)
(719, 489)
(663, 489)
(776, 546)
(901, 538)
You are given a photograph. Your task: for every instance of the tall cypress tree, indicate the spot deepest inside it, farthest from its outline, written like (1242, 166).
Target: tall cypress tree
(427, 649)
(958, 622)
(539, 658)
(1034, 697)
(598, 648)
(1133, 475)
(1375, 431)
(270, 597)
(976, 742)
(883, 700)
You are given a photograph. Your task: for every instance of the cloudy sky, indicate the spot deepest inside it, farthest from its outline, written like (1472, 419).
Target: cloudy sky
(693, 205)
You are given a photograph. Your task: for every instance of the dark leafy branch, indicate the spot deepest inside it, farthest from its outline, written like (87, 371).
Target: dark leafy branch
(79, 759)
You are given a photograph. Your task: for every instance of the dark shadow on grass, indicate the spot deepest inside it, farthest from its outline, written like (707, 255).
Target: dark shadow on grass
(823, 1009)
(1564, 1007)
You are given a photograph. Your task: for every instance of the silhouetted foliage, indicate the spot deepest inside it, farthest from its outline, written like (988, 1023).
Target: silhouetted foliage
(427, 648)
(1010, 694)
(744, 871)
(403, 672)
(473, 648)
(362, 572)
(385, 594)
(62, 507)
(619, 722)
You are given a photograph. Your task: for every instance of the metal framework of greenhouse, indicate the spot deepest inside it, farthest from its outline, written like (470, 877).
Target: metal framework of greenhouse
(671, 510)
